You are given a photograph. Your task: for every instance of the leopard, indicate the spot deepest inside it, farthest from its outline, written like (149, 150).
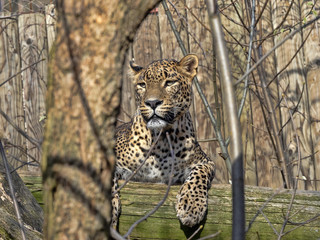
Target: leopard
(163, 94)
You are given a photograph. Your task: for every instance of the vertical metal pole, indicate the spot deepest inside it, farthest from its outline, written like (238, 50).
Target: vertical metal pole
(238, 213)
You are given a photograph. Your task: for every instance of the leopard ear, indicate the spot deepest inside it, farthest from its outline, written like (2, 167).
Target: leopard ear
(188, 65)
(135, 68)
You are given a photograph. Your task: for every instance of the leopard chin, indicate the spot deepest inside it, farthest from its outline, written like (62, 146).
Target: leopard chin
(156, 123)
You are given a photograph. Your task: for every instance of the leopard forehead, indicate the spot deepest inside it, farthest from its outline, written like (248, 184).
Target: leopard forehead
(160, 70)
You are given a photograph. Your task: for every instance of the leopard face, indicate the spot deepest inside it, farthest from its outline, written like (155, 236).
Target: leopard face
(163, 90)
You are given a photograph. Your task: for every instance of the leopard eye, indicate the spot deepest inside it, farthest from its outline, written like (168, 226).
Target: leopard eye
(169, 83)
(141, 84)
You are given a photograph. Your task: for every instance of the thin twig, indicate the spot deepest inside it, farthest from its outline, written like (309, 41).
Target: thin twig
(252, 30)
(253, 139)
(22, 70)
(115, 235)
(261, 208)
(257, 93)
(273, 125)
(238, 212)
(290, 61)
(196, 17)
(279, 25)
(120, 120)
(23, 164)
(18, 160)
(32, 140)
(240, 18)
(201, 94)
(268, 221)
(261, 12)
(189, 33)
(296, 212)
(293, 109)
(305, 222)
(195, 232)
(302, 224)
(165, 196)
(298, 171)
(15, 202)
(8, 144)
(208, 140)
(274, 48)
(210, 236)
(140, 166)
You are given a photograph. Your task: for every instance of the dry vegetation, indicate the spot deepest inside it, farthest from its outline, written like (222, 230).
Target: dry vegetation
(274, 54)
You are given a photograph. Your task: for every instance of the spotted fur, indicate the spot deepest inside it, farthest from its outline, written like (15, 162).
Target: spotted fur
(163, 95)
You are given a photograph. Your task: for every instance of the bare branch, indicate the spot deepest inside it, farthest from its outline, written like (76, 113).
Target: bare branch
(165, 196)
(238, 213)
(195, 232)
(32, 140)
(261, 208)
(305, 222)
(252, 31)
(115, 235)
(210, 236)
(21, 71)
(140, 166)
(268, 221)
(290, 61)
(274, 48)
(201, 94)
(298, 172)
(15, 202)
(279, 25)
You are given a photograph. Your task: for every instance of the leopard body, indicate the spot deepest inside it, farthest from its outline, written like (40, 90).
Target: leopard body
(163, 96)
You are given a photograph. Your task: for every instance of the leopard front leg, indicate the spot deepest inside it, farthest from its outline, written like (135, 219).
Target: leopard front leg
(192, 198)
(116, 204)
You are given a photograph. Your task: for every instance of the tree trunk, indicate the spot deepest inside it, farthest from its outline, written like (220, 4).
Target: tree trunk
(30, 210)
(83, 101)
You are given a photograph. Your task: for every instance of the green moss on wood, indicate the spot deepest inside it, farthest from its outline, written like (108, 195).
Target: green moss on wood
(138, 199)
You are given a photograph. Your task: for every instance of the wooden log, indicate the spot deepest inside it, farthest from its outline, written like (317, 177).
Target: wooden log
(32, 34)
(31, 212)
(140, 198)
(11, 91)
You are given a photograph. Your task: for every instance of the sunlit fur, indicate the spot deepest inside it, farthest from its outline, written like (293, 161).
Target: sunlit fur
(163, 96)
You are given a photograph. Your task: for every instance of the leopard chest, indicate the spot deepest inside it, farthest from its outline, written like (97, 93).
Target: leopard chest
(157, 167)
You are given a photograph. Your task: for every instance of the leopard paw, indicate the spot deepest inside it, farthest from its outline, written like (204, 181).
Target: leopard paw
(191, 206)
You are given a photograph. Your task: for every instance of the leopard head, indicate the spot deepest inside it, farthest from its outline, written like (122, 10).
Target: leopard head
(163, 90)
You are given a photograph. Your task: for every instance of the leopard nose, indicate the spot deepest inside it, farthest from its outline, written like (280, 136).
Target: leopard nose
(153, 103)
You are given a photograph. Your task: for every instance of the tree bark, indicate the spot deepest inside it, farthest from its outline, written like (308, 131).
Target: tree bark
(83, 100)
(30, 210)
